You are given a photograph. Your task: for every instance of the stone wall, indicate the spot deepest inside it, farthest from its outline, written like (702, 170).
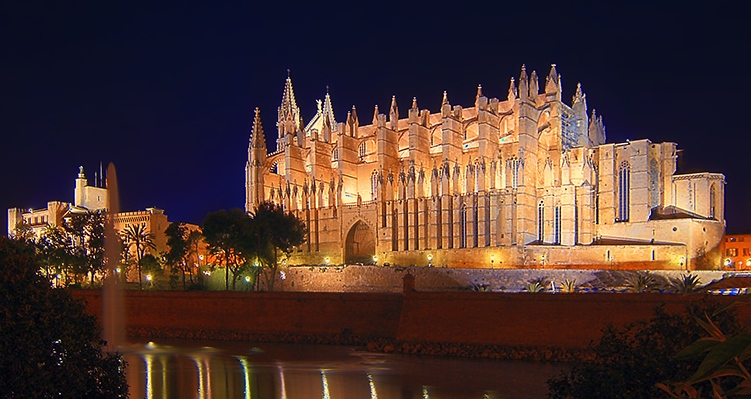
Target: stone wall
(568, 321)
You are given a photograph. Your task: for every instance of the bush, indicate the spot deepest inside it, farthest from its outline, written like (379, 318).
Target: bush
(629, 361)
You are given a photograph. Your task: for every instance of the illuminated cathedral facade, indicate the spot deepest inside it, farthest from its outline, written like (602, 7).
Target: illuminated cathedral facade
(527, 181)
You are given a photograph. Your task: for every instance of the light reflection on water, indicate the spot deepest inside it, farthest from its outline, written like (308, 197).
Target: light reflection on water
(185, 369)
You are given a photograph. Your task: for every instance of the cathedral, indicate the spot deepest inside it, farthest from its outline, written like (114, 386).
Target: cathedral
(523, 182)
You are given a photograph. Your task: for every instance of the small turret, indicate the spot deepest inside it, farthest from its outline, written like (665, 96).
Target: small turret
(534, 86)
(353, 123)
(511, 91)
(523, 85)
(375, 115)
(478, 95)
(393, 114)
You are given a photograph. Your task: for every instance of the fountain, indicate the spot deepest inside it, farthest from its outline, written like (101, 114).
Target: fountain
(113, 309)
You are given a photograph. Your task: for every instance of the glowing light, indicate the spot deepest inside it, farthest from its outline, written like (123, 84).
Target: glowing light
(375, 258)
(326, 394)
(430, 257)
(326, 260)
(117, 270)
(373, 393)
(148, 277)
(200, 257)
(282, 275)
(247, 279)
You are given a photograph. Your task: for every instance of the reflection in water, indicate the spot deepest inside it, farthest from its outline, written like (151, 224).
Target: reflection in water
(238, 370)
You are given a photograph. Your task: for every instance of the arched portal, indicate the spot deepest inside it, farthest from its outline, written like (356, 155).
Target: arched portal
(360, 244)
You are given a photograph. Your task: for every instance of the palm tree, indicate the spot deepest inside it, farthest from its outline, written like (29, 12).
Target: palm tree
(137, 236)
(642, 282)
(686, 284)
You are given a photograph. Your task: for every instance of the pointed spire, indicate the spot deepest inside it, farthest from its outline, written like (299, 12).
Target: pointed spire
(552, 82)
(414, 102)
(445, 98)
(479, 92)
(579, 96)
(288, 110)
(393, 113)
(328, 111)
(534, 85)
(511, 90)
(523, 84)
(375, 115)
(257, 138)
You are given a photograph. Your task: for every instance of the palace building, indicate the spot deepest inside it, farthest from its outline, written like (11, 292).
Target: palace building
(526, 181)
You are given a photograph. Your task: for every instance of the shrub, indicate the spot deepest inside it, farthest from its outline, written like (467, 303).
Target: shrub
(629, 361)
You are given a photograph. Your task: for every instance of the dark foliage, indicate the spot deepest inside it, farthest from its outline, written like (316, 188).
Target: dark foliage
(629, 361)
(50, 347)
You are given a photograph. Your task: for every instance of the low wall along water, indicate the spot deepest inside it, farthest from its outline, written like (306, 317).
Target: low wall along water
(566, 321)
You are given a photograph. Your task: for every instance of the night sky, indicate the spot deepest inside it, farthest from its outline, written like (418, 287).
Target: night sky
(167, 92)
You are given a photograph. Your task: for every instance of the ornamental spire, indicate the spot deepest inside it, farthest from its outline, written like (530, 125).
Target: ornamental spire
(375, 116)
(257, 138)
(445, 98)
(479, 92)
(328, 111)
(288, 110)
(414, 102)
(511, 90)
(579, 96)
(393, 113)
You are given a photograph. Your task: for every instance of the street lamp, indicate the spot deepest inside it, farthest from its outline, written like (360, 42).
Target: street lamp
(430, 260)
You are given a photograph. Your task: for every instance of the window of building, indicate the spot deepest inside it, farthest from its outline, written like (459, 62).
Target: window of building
(463, 227)
(745, 251)
(711, 202)
(374, 186)
(335, 154)
(731, 252)
(557, 225)
(541, 221)
(624, 188)
(514, 173)
(363, 150)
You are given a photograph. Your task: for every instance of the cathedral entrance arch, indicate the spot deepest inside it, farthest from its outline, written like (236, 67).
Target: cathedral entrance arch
(360, 244)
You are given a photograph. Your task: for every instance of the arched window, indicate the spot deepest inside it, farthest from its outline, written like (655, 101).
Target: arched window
(463, 227)
(557, 225)
(624, 188)
(712, 198)
(363, 149)
(374, 185)
(335, 154)
(541, 222)
(576, 223)
(514, 165)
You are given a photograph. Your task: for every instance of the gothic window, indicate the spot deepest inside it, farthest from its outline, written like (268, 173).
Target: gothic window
(374, 185)
(514, 173)
(363, 150)
(335, 154)
(557, 225)
(463, 227)
(475, 225)
(712, 198)
(541, 222)
(576, 223)
(624, 188)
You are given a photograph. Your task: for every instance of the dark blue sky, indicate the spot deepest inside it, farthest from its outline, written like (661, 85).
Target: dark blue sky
(167, 92)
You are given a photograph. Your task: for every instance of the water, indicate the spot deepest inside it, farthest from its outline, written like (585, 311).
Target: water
(186, 369)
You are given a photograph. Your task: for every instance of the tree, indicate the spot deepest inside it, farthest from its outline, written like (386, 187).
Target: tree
(177, 255)
(278, 232)
(23, 232)
(54, 252)
(227, 235)
(137, 236)
(50, 346)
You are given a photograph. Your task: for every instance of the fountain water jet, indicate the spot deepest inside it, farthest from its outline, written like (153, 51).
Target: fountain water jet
(113, 309)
